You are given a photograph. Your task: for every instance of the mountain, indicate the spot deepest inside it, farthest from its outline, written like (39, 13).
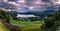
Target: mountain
(40, 14)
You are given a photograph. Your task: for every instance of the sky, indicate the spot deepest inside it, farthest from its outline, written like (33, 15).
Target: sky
(28, 4)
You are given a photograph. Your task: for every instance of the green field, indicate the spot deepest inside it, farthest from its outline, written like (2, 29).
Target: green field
(28, 25)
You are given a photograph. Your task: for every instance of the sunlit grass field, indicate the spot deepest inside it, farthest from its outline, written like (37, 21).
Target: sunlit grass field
(3, 28)
(28, 25)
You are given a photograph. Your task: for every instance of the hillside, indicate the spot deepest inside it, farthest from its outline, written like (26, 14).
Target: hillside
(53, 22)
(2, 27)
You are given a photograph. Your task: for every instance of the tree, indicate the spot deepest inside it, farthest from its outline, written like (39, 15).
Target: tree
(53, 21)
(4, 15)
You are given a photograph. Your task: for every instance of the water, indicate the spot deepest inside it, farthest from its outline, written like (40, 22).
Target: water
(25, 16)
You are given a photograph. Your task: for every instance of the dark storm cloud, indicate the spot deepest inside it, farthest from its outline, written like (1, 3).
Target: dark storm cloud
(13, 0)
(13, 4)
(45, 0)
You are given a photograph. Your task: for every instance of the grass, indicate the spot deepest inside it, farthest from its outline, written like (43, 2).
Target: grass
(34, 27)
(16, 22)
(28, 25)
(3, 28)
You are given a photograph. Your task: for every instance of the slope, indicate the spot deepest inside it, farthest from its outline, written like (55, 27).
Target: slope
(3, 28)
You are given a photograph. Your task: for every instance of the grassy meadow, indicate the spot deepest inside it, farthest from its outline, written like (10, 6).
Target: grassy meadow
(3, 28)
(28, 25)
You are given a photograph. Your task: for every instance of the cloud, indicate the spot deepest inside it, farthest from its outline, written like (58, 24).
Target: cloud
(10, 4)
(32, 4)
(46, 0)
(21, 1)
(13, 3)
(56, 1)
(12, 0)
(5, 0)
(31, 7)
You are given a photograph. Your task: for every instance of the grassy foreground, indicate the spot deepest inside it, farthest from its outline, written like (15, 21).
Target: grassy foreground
(28, 25)
(3, 28)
